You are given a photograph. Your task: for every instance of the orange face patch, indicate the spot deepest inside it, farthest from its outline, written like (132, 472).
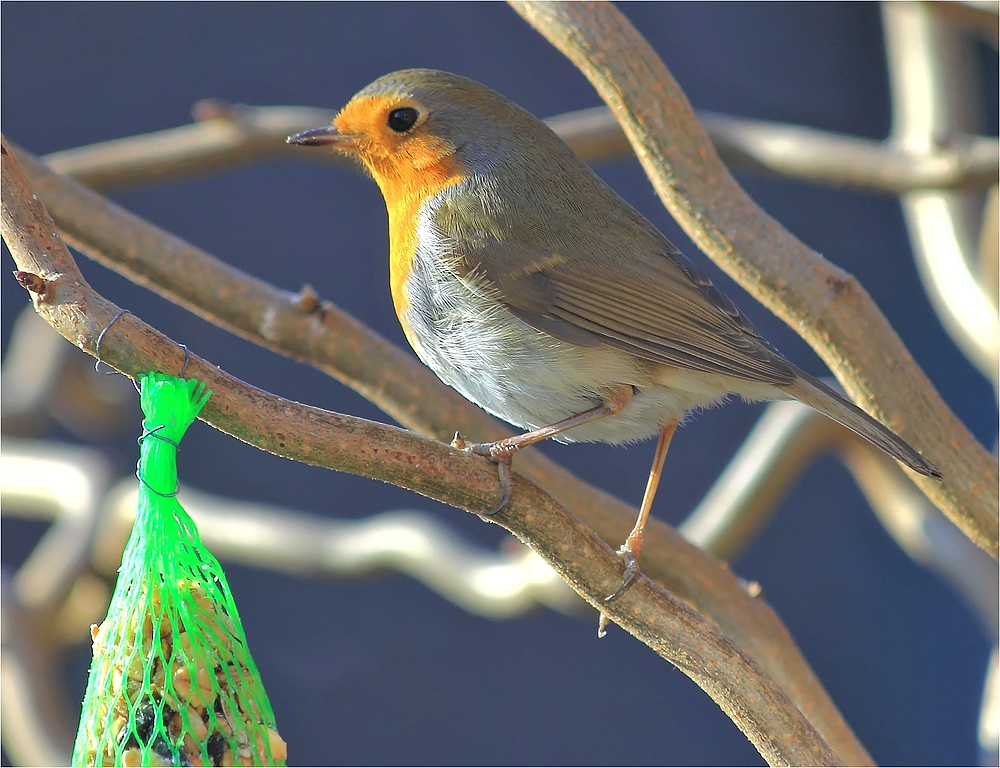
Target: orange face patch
(403, 164)
(409, 168)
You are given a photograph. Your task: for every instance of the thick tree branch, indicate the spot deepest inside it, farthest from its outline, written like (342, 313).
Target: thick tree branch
(668, 625)
(824, 304)
(336, 343)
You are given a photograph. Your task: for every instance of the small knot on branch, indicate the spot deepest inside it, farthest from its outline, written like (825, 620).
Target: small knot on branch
(307, 300)
(212, 109)
(29, 280)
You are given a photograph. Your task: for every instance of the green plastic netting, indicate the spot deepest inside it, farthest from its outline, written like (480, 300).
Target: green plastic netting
(172, 681)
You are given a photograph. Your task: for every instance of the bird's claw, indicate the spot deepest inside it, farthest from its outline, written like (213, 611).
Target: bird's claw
(631, 571)
(501, 455)
(503, 469)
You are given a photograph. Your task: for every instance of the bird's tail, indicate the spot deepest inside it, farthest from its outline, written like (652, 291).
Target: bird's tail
(819, 396)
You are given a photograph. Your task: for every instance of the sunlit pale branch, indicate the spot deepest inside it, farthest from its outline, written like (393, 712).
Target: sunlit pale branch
(931, 104)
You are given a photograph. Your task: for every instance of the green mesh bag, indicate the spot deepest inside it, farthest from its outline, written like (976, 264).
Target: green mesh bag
(172, 681)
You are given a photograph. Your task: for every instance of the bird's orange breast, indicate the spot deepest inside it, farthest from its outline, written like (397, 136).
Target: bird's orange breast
(404, 198)
(409, 170)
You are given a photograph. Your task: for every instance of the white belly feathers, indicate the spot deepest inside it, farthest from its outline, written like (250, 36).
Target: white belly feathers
(478, 343)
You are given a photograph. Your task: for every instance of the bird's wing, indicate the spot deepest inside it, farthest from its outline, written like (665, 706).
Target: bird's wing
(650, 301)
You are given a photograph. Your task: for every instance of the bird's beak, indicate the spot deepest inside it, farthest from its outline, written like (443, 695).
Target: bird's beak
(327, 136)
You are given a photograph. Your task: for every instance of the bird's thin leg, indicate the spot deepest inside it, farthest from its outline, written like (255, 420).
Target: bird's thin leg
(633, 544)
(502, 451)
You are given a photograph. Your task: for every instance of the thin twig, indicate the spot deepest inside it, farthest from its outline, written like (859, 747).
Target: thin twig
(324, 336)
(233, 135)
(223, 136)
(824, 304)
(694, 644)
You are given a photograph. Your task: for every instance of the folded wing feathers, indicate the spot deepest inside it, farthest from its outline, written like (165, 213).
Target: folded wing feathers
(628, 312)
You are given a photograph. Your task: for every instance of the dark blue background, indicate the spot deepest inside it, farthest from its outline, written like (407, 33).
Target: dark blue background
(384, 671)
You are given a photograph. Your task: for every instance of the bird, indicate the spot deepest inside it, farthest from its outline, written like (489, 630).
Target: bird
(525, 282)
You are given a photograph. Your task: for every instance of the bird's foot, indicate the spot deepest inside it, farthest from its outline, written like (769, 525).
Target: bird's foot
(500, 453)
(631, 570)
(628, 578)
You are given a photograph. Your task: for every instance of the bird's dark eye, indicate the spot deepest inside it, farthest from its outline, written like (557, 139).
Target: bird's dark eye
(403, 119)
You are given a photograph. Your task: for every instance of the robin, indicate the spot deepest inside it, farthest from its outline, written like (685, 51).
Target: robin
(526, 283)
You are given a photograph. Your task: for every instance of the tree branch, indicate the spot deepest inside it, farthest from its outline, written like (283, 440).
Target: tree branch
(839, 160)
(223, 136)
(322, 335)
(802, 153)
(230, 135)
(824, 304)
(668, 625)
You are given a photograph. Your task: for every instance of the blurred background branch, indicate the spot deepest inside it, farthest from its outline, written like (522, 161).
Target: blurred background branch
(934, 100)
